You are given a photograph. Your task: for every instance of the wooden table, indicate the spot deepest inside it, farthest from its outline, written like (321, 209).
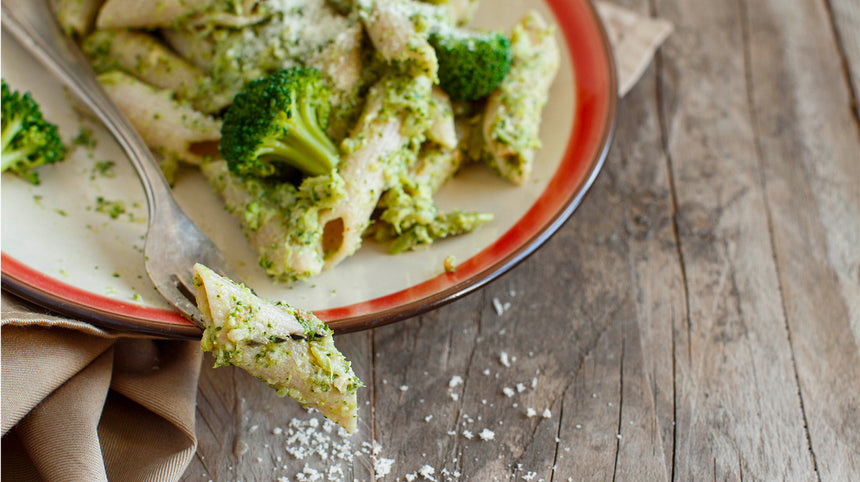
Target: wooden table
(698, 317)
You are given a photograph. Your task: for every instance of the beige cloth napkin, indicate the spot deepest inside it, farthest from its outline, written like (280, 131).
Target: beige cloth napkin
(83, 404)
(634, 40)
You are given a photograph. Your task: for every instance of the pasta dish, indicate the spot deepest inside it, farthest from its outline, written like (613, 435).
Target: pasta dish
(323, 123)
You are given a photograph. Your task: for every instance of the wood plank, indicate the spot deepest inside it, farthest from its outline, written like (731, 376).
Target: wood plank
(624, 387)
(738, 412)
(656, 286)
(809, 145)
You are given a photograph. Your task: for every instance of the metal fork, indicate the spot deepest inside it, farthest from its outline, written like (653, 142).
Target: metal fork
(173, 242)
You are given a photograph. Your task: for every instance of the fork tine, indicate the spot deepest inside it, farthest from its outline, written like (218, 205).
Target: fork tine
(180, 297)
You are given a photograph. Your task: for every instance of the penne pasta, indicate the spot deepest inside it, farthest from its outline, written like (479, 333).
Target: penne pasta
(442, 130)
(513, 113)
(377, 140)
(173, 130)
(395, 36)
(76, 17)
(281, 222)
(308, 180)
(288, 348)
(145, 57)
(148, 14)
(341, 62)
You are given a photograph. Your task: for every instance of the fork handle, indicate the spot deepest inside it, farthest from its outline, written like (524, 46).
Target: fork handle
(34, 24)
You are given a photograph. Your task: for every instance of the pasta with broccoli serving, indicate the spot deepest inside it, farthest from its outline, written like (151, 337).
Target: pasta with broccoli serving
(324, 122)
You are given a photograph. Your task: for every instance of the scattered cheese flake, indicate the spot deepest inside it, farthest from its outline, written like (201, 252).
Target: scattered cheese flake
(454, 396)
(382, 467)
(497, 305)
(487, 435)
(504, 360)
(520, 388)
(403, 388)
(530, 412)
(546, 413)
(467, 434)
(508, 391)
(428, 418)
(455, 380)
(427, 472)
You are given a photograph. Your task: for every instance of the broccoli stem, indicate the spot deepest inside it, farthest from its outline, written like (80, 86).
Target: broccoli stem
(301, 149)
(9, 133)
(10, 158)
(304, 145)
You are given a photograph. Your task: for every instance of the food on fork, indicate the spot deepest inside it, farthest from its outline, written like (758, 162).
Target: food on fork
(288, 348)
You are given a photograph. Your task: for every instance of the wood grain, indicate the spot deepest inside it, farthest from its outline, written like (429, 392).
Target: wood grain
(810, 177)
(697, 318)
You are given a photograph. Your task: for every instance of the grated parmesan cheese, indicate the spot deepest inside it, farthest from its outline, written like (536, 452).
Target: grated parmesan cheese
(301, 28)
(382, 467)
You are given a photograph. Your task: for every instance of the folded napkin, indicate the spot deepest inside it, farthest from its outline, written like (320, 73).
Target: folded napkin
(634, 40)
(82, 403)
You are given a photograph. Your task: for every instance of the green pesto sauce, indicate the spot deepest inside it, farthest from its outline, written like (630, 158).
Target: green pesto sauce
(314, 358)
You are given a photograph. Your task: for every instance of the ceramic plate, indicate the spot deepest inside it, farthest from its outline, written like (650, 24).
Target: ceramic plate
(61, 251)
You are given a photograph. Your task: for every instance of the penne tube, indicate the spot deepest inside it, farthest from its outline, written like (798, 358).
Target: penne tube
(289, 349)
(148, 13)
(76, 17)
(513, 112)
(384, 131)
(173, 130)
(395, 37)
(145, 57)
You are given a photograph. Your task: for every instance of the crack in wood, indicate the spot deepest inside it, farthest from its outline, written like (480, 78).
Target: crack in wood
(673, 197)
(372, 390)
(468, 370)
(620, 405)
(558, 434)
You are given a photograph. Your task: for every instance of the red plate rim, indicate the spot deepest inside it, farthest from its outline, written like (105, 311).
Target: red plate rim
(588, 145)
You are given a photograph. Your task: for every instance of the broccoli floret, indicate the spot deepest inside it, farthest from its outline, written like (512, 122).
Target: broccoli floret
(279, 122)
(471, 64)
(28, 140)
